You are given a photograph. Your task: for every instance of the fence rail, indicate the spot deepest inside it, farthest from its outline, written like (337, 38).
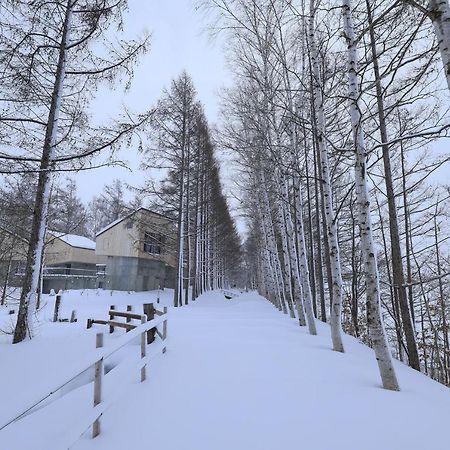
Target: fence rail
(96, 360)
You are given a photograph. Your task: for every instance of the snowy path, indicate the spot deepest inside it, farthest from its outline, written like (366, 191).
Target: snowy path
(239, 375)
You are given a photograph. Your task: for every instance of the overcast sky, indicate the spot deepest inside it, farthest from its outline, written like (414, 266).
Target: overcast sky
(179, 41)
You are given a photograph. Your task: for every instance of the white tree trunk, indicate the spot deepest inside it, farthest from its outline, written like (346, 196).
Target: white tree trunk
(272, 271)
(336, 307)
(375, 323)
(273, 249)
(439, 11)
(303, 260)
(271, 264)
(179, 300)
(286, 259)
(298, 291)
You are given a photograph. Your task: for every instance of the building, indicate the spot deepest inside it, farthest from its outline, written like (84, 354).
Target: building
(13, 256)
(70, 262)
(134, 253)
(137, 252)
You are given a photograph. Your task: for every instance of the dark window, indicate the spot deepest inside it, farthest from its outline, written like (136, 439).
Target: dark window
(154, 243)
(20, 268)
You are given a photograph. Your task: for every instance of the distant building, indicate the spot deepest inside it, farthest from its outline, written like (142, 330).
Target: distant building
(137, 252)
(134, 253)
(13, 256)
(69, 262)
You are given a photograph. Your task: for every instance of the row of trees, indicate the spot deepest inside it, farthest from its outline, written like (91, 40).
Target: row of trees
(208, 244)
(321, 89)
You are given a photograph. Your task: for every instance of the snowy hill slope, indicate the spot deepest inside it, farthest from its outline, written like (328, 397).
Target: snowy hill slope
(240, 375)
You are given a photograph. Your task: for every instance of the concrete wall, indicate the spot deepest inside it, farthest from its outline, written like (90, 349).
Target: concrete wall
(136, 274)
(68, 282)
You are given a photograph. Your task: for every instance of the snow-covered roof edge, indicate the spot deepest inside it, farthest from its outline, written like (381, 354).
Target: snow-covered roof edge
(74, 240)
(120, 219)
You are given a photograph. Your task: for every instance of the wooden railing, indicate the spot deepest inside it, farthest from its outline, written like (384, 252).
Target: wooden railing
(96, 360)
(144, 331)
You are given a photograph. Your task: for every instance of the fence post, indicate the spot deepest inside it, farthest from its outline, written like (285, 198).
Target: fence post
(143, 351)
(57, 305)
(149, 311)
(129, 309)
(111, 317)
(98, 384)
(164, 333)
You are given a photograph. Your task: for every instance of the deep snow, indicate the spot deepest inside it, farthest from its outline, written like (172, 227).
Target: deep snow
(237, 375)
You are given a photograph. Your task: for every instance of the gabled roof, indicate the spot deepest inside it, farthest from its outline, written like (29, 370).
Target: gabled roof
(112, 224)
(74, 240)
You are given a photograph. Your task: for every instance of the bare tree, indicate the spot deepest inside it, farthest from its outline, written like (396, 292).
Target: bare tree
(50, 73)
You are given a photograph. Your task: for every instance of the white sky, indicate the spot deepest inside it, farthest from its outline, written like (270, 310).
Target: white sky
(179, 41)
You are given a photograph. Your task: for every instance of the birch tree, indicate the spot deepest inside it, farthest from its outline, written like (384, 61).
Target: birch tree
(397, 263)
(375, 323)
(330, 214)
(438, 11)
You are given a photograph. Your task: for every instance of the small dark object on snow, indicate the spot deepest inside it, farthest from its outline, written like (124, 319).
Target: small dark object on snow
(11, 311)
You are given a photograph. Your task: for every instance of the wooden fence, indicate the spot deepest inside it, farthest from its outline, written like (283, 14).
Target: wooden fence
(145, 329)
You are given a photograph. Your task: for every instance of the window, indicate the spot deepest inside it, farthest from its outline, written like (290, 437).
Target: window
(154, 243)
(20, 268)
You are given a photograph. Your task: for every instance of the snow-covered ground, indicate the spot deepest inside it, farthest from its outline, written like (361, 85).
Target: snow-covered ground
(237, 375)
(32, 369)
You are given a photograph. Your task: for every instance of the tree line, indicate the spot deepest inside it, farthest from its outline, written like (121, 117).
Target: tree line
(208, 246)
(332, 119)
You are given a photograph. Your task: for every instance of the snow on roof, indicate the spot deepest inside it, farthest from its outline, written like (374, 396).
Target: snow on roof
(74, 240)
(126, 217)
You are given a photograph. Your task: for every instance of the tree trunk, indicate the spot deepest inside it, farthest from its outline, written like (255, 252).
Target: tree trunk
(27, 305)
(303, 259)
(439, 12)
(330, 214)
(375, 323)
(298, 291)
(397, 262)
(319, 259)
